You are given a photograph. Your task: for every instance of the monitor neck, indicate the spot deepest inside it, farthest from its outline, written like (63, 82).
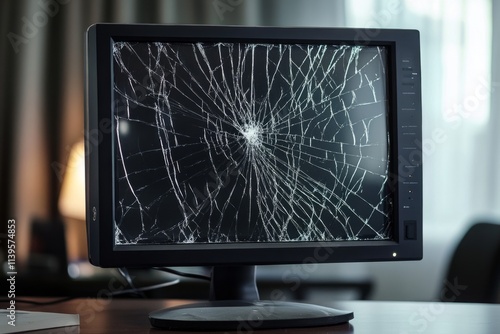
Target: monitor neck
(233, 283)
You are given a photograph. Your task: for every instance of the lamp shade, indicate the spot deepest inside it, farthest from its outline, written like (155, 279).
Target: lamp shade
(72, 196)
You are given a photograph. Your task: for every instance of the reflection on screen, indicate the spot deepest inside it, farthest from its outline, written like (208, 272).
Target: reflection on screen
(235, 142)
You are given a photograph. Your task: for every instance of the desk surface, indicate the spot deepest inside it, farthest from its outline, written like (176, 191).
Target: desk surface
(131, 315)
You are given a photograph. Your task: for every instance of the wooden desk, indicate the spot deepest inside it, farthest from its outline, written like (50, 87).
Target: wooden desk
(131, 315)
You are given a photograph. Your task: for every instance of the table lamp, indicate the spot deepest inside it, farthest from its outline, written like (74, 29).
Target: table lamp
(72, 205)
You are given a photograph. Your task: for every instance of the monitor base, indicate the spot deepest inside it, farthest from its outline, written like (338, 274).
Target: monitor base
(246, 315)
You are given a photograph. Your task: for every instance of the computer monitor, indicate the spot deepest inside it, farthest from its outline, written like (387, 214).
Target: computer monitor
(235, 146)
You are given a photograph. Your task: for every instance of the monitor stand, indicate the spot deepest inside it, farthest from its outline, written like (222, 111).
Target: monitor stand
(234, 305)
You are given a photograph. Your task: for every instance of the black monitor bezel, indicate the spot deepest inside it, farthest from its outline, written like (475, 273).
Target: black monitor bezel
(406, 175)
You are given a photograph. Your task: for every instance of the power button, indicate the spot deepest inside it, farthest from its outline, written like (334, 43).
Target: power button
(410, 229)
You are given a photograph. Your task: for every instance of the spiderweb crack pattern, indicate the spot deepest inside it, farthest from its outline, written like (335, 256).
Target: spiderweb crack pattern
(235, 142)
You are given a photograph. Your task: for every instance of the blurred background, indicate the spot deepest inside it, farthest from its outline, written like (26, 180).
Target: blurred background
(42, 112)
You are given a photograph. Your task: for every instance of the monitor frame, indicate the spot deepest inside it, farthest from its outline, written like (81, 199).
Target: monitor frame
(405, 127)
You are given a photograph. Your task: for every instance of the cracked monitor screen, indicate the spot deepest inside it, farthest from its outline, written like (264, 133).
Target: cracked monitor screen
(250, 143)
